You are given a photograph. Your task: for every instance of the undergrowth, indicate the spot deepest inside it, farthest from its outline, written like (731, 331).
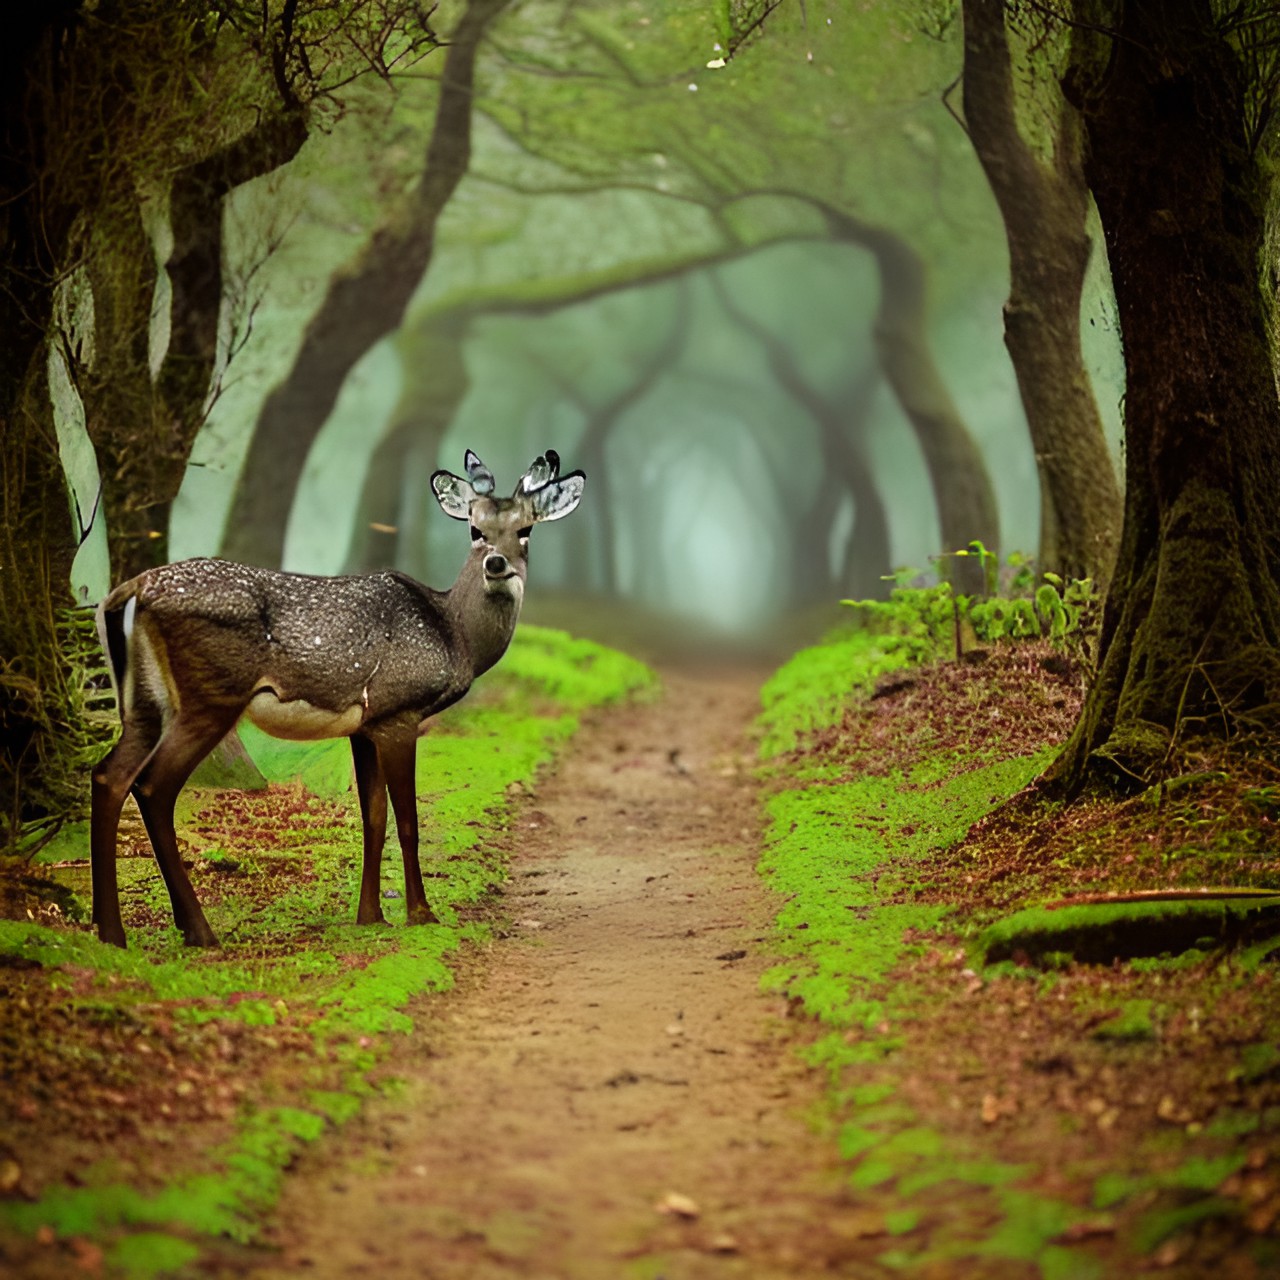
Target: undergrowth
(1070, 1118)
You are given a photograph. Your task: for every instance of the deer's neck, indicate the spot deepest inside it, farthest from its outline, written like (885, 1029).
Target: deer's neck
(485, 620)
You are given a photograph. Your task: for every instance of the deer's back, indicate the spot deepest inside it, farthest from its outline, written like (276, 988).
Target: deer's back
(378, 642)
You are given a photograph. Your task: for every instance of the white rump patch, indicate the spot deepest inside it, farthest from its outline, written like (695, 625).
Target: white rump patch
(145, 671)
(299, 720)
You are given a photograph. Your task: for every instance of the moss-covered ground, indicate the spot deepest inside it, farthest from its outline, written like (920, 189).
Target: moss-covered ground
(1023, 1089)
(155, 1096)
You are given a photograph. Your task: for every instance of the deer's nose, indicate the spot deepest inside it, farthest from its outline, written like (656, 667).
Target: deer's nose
(495, 565)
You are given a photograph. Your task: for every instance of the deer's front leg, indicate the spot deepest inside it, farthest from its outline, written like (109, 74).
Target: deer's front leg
(398, 764)
(371, 787)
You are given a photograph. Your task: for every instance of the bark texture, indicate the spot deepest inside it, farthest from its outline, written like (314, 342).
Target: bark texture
(1045, 207)
(1191, 630)
(40, 701)
(364, 302)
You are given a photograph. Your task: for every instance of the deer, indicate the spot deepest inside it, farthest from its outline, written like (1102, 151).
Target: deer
(195, 645)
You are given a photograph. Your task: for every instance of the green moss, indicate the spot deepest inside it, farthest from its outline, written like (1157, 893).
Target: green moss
(1257, 1061)
(812, 690)
(1233, 1124)
(1132, 1023)
(836, 848)
(978, 1173)
(825, 846)
(1030, 1223)
(1160, 1224)
(1197, 1174)
(898, 1222)
(150, 1253)
(574, 674)
(1105, 932)
(1114, 1187)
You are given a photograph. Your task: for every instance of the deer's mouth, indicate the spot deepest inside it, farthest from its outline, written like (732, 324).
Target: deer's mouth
(504, 584)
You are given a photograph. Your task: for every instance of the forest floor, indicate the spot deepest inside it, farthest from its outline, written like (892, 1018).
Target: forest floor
(656, 1061)
(607, 1093)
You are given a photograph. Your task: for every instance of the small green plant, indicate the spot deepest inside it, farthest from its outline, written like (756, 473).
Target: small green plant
(927, 619)
(919, 620)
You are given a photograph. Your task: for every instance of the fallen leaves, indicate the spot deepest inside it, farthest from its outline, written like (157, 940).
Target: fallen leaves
(993, 1107)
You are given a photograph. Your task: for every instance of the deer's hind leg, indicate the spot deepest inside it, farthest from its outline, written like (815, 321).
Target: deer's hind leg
(111, 782)
(186, 741)
(371, 787)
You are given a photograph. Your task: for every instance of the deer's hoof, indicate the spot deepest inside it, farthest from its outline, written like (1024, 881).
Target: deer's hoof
(113, 937)
(200, 936)
(422, 914)
(370, 915)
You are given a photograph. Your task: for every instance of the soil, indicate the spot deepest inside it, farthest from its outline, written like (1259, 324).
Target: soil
(606, 1086)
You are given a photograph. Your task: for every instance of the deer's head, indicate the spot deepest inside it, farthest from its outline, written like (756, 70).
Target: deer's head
(500, 527)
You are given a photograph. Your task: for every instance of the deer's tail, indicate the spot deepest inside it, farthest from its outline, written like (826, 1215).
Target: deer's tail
(114, 618)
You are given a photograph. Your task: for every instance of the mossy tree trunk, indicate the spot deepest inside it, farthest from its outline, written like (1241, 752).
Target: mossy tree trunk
(39, 702)
(1045, 204)
(1191, 630)
(98, 114)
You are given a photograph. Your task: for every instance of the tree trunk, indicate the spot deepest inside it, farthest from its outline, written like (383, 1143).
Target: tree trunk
(1044, 207)
(867, 552)
(41, 729)
(1192, 626)
(957, 472)
(365, 302)
(435, 385)
(847, 469)
(194, 267)
(598, 534)
(115, 384)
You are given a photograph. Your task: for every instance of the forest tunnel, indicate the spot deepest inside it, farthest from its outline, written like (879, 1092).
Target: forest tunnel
(725, 491)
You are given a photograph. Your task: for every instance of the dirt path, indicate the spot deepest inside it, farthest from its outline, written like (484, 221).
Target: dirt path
(613, 1050)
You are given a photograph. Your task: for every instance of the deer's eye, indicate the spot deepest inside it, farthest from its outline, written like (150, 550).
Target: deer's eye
(523, 534)
(476, 535)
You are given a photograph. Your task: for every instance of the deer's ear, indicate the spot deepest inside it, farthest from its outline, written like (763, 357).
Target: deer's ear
(454, 494)
(556, 500)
